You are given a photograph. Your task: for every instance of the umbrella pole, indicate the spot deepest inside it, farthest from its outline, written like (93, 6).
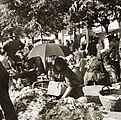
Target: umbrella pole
(43, 60)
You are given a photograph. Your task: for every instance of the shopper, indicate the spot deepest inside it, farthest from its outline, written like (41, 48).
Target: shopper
(71, 78)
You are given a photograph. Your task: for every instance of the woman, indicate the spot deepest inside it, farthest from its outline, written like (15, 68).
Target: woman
(98, 74)
(80, 57)
(71, 78)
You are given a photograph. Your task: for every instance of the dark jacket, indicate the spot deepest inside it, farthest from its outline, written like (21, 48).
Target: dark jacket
(4, 77)
(12, 47)
(92, 50)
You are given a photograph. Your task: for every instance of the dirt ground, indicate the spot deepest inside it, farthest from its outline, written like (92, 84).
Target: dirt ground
(113, 116)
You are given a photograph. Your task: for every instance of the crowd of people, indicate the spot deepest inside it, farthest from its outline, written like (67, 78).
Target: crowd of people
(76, 70)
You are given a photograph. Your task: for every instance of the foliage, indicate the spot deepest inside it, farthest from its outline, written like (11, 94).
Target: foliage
(34, 17)
(115, 7)
(90, 12)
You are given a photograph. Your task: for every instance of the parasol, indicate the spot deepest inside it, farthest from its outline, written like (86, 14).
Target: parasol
(48, 49)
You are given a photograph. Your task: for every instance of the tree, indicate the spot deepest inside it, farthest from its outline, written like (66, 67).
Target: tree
(113, 6)
(90, 12)
(35, 16)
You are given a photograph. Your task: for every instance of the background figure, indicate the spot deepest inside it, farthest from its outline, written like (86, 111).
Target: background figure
(107, 64)
(92, 49)
(34, 68)
(82, 63)
(72, 46)
(5, 101)
(114, 55)
(98, 74)
(71, 60)
(11, 47)
(67, 43)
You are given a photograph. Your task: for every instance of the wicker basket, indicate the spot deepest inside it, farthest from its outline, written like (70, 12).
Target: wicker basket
(111, 99)
(41, 84)
(92, 93)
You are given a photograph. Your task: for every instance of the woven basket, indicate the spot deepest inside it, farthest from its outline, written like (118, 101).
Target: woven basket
(111, 99)
(92, 93)
(43, 84)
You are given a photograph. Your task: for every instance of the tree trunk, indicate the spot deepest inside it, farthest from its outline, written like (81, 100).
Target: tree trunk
(41, 37)
(106, 29)
(62, 41)
(32, 40)
(87, 37)
(56, 35)
(120, 36)
(120, 28)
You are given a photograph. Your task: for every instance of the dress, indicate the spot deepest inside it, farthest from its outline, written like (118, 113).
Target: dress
(73, 81)
(92, 50)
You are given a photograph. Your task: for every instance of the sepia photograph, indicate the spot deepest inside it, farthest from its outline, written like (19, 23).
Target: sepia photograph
(60, 59)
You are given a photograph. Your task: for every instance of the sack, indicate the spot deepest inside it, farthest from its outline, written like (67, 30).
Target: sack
(56, 88)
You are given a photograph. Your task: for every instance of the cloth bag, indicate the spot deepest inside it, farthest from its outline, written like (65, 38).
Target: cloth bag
(56, 88)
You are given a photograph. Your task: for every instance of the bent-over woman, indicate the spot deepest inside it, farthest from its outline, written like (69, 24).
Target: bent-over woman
(71, 78)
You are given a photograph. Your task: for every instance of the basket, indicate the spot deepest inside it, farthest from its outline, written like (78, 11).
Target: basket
(110, 99)
(92, 93)
(92, 90)
(43, 84)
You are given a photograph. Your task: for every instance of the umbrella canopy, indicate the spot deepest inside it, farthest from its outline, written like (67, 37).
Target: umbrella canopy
(46, 50)
(65, 49)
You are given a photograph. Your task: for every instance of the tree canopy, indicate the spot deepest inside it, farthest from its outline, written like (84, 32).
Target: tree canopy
(35, 17)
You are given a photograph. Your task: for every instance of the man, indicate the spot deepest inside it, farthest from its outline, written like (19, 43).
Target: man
(114, 55)
(12, 46)
(5, 101)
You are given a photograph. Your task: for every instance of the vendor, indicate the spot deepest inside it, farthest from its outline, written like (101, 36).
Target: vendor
(71, 78)
(96, 73)
(34, 68)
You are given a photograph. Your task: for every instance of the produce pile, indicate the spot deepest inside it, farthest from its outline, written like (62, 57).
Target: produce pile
(74, 109)
(33, 104)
